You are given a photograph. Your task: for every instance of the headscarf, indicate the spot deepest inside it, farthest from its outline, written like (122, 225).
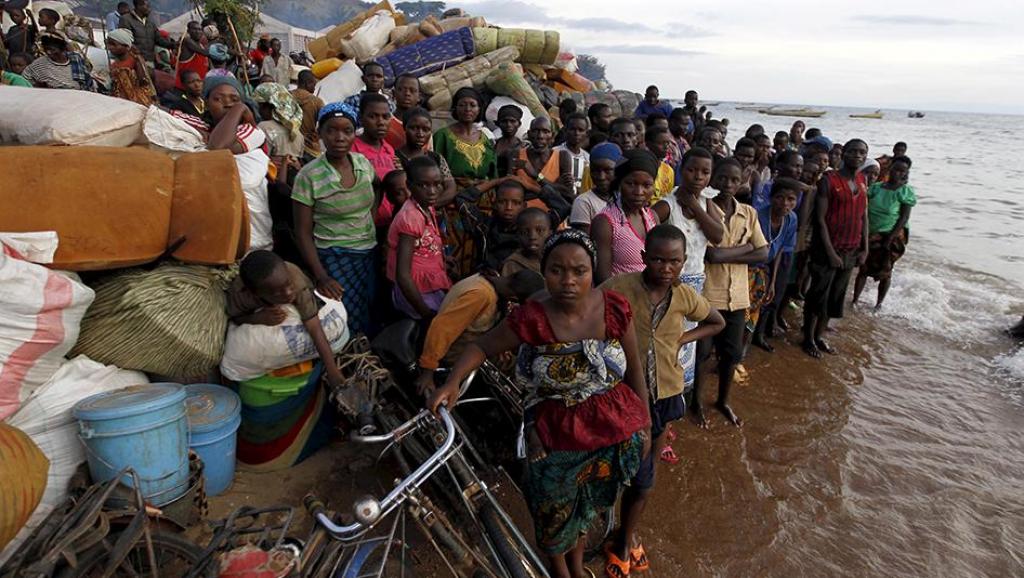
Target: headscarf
(636, 160)
(868, 164)
(468, 92)
(212, 82)
(510, 111)
(211, 31)
(55, 37)
(219, 53)
(821, 140)
(286, 110)
(606, 151)
(337, 110)
(121, 36)
(574, 236)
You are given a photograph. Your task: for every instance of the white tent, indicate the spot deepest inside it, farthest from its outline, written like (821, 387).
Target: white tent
(293, 38)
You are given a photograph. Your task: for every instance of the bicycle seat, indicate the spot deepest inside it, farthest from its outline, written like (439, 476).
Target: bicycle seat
(396, 344)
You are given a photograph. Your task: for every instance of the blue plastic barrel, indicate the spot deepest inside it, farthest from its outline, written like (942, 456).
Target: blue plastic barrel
(214, 414)
(144, 427)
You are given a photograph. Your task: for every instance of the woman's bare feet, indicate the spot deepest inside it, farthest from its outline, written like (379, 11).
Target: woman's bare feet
(698, 415)
(729, 414)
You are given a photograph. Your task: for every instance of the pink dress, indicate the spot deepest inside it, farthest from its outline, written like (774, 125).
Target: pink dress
(627, 246)
(428, 270)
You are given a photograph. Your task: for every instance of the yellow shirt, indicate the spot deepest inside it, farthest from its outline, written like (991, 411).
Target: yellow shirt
(727, 285)
(664, 184)
(469, 310)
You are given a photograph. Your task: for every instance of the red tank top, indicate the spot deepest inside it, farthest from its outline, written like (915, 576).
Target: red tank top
(845, 217)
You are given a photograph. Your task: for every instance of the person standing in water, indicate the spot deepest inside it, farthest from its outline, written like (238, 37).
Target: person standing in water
(889, 205)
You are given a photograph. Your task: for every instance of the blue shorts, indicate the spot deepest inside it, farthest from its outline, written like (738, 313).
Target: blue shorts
(663, 412)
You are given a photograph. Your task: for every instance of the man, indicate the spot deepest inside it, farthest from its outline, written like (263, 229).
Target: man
(407, 97)
(600, 116)
(114, 17)
(22, 35)
(193, 56)
(373, 82)
(623, 133)
(840, 244)
(310, 105)
(651, 104)
(144, 29)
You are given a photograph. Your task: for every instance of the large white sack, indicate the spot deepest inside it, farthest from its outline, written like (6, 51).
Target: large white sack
(44, 116)
(491, 114)
(40, 315)
(341, 83)
(254, 350)
(370, 37)
(46, 418)
(169, 133)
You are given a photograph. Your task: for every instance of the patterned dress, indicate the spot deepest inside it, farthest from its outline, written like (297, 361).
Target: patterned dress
(586, 418)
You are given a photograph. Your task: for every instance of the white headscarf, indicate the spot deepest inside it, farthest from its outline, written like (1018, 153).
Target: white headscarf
(868, 164)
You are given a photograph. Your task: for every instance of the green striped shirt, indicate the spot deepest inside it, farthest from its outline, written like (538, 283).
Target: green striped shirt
(341, 217)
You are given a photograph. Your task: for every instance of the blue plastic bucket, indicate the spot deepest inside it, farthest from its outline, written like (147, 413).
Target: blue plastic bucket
(144, 427)
(214, 414)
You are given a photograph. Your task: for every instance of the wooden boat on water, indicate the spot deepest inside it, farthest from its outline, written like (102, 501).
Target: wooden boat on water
(752, 108)
(915, 114)
(802, 112)
(877, 115)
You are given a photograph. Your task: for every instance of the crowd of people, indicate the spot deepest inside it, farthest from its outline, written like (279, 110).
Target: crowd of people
(620, 260)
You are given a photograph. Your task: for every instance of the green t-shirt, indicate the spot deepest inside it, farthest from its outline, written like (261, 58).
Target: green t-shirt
(11, 79)
(884, 206)
(341, 217)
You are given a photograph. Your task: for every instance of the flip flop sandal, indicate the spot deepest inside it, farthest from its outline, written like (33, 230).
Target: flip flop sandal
(614, 567)
(668, 455)
(638, 561)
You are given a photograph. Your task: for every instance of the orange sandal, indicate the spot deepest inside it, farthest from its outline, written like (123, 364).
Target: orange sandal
(614, 567)
(638, 561)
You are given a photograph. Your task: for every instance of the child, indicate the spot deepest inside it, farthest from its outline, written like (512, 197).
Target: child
(373, 82)
(534, 226)
(661, 304)
(781, 141)
(128, 75)
(396, 191)
(603, 159)
(472, 307)
(889, 205)
(575, 132)
(620, 229)
(265, 283)
(641, 131)
(18, 61)
(502, 237)
(658, 141)
(726, 285)
(768, 280)
(374, 119)
(746, 152)
(506, 148)
(416, 254)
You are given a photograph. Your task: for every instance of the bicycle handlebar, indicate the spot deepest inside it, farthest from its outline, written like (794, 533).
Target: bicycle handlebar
(369, 510)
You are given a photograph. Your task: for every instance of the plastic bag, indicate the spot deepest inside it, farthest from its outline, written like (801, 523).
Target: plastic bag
(170, 133)
(341, 83)
(370, 37)
(254, 350)
(40, 315)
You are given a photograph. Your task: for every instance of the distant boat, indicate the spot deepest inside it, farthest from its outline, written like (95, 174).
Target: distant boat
(710, 103)
(750, 108)
(804, 112)
(915, 114)
(877, 115)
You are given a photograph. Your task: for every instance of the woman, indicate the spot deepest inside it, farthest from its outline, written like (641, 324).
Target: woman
(471, 161)
(188, 100)
(587, 424)
(620, 229)
(192, 55)
(333, 203)
(470, 154)
(128, 75)
(277, 65)
(796, 135)
(693, 212)
(59, 68)
(282, 119)
(220, 58)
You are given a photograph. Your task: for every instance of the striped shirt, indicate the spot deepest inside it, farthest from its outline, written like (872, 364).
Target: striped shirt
(341, 217)
(627, 246)
(249, 136)
(45, 72)
(845, 217)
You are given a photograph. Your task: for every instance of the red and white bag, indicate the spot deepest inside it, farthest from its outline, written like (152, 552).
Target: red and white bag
(40, 315)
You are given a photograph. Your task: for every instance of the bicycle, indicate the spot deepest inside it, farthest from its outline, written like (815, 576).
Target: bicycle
(488, 544)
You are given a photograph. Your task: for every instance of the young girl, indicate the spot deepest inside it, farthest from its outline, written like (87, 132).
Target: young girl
(726, 286)
(601, 173)
(693, 213)
(619, 231)
(128, 73)
(416, 255)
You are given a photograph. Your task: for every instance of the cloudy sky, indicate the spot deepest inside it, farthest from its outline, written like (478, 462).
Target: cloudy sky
(913, 54)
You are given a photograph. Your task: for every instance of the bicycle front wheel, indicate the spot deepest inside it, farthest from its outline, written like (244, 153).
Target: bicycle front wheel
(174, 556)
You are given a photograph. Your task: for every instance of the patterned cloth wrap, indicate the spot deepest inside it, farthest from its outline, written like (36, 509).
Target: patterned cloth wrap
(286, 110)
(428, 55)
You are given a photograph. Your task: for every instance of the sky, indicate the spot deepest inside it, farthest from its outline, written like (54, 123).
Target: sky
(904, 54)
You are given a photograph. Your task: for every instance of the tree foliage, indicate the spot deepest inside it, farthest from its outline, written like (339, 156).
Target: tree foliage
(590, 67)
(244, 14)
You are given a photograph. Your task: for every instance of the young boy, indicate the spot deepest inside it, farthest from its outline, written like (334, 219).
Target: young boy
(661, 304)
(373, 81)
(575, 132)
(768, 280)
(502, 237)
(623, 133)
(506, 148)
(840, 244)
(375, 117)
(727, 285)
(472, 307)
(266, 283)
(658, 142)
(781, 141)
(407, 97)
(745, 153)
(603, 159)
(889, 205)
(534, 227)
